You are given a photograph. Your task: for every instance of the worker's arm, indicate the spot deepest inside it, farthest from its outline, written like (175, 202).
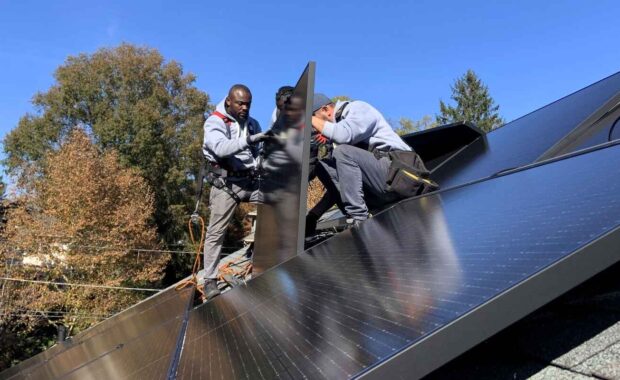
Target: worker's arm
(216, 138)
(358, 125)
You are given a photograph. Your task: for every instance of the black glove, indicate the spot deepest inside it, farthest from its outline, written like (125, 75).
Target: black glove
(257, 138)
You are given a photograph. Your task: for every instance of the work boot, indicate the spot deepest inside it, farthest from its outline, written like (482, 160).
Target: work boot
(210, 289)
(352, 222)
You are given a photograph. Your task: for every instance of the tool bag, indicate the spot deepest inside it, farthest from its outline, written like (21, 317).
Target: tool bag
(408, 176)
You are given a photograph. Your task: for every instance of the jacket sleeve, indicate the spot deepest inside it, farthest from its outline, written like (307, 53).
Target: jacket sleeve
(216, 139)
(358, 125)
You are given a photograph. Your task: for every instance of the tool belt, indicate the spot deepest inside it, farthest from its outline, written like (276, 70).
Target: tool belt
(407, 174)
(249, 173)
(215, 177)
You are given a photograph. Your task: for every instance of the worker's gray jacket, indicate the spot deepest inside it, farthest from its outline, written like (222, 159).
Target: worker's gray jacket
(227, 144)
(362, 125)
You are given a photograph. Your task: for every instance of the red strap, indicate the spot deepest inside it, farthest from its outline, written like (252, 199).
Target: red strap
(224, 118)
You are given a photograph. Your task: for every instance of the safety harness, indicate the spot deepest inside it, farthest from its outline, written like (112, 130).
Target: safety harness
(216, 172)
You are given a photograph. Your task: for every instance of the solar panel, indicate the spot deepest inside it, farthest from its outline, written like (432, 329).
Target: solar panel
(437, 144)
(419, 283)
(284, 181)
(526, 139)
(109, 344)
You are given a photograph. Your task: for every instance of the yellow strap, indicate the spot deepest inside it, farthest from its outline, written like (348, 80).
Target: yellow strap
(411, 175)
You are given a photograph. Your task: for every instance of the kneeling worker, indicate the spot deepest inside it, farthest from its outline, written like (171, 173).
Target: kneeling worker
(360, 162)
(231, 140)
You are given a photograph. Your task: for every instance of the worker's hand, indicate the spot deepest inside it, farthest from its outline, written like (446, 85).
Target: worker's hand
(318, 124)
(258, 137)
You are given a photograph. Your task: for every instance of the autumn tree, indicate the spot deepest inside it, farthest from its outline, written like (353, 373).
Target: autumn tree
(473, 104)
(127, 98)
(75, 224)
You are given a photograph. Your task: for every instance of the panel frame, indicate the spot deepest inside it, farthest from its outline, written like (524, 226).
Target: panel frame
(305, 162)
(583, 131)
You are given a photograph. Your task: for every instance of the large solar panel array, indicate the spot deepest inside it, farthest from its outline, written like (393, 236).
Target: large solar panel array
(360, 298)
(406, 291)
(527, 138)
(284, 182)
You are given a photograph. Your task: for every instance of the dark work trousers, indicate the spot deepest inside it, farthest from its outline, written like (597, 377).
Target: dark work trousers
(360, 178)
(222, 208)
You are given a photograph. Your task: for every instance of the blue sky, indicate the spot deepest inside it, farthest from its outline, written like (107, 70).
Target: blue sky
(400, 56)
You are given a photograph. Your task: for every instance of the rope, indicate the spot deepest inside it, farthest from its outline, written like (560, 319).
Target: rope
(193, 280)
(82, 285)
(228, 270)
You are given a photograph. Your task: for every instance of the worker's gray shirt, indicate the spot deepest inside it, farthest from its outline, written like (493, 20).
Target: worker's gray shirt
(227, 144)
(362, 124)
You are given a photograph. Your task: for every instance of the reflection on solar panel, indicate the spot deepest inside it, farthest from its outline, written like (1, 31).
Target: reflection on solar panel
(280, 222)
(402, 294)
(524, 140)
(421, 268)
(142, 336)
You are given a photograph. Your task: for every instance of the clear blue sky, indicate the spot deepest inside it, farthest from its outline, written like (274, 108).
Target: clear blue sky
(400, 56)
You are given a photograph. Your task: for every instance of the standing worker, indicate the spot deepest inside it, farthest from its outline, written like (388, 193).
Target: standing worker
(231, 142)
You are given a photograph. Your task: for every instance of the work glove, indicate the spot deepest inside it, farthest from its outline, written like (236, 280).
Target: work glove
(258, 137)
(319, 138)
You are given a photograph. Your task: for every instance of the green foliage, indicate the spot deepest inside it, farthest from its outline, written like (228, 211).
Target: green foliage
(409, 126)
(473, 104)
(130, 99)
(342, 98)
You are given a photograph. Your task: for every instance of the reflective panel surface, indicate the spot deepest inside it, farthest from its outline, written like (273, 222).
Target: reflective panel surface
(357, 299)
(284, 180)
(523, 140)
(142, 336)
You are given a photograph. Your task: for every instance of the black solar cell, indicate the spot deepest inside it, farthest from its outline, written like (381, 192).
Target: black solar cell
(525, 139)
(142, 334)
(358, 299)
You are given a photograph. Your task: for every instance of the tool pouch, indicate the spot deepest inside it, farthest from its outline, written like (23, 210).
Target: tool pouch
(408, 176)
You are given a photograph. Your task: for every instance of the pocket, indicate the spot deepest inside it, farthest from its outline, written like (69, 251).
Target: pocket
(408, 183)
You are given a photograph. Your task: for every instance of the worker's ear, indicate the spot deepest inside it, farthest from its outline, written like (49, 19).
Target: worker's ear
(227, 102)
(330, 112)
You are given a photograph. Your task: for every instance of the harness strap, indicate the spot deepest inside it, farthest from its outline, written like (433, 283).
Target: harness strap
(224, 118)
(341, 111)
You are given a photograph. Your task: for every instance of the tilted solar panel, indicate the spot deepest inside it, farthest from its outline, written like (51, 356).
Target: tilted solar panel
(373, 293)
(284, 180)
(104, 349)
(527, 138)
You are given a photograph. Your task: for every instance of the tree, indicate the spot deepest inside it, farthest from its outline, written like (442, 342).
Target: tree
(409, 126)
(341, 98)
(473, 104)
(130, 99)
(74, 224)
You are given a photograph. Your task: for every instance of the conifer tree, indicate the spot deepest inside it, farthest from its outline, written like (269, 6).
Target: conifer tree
(473, 104)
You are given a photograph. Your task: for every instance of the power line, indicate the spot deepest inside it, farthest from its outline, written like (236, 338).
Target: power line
(59, 312)
(78, 285)
(50, 315)
(138, 250)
